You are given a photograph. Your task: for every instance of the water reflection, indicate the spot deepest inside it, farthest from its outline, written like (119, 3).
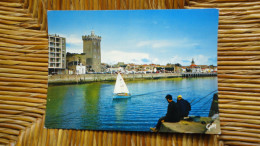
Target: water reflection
(120, 106)
(91, 108)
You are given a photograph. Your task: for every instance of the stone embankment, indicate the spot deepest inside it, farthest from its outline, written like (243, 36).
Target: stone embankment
(198, 74)
(204, 125)
(71, 79)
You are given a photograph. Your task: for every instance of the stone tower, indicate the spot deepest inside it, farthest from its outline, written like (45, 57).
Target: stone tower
(192, 62)
(91, 47)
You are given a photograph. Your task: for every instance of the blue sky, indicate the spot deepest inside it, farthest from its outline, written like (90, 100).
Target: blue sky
(142, 36)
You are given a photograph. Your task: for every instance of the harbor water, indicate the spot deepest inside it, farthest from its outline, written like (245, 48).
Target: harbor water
(91, 105)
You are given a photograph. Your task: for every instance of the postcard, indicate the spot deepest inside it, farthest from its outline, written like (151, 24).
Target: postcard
(133, 70)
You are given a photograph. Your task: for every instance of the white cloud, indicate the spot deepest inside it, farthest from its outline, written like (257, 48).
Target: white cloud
(74, 39)
(154, 44)
(199, 60)
(113, 57)
(74, 43)
(72, 50)
(177, 43)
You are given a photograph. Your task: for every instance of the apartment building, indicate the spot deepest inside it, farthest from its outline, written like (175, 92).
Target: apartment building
(57, 54)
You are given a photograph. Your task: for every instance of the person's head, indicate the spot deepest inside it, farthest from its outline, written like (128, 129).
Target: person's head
(168, 97)
(179, 97)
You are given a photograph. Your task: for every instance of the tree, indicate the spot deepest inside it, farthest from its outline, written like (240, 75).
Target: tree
(178, 64)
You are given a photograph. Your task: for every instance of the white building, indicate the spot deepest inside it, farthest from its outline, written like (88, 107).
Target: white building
(117, 69)
(80, 69)
(196, 69)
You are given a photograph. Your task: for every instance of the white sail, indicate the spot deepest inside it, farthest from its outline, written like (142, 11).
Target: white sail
(120, 86)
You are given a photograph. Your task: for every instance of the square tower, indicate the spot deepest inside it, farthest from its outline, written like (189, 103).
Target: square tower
(91, 47)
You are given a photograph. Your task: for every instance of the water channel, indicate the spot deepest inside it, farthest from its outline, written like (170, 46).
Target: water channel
(91, 106)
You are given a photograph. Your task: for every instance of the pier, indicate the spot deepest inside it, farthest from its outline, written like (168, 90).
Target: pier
(201, 126)
(198, 74)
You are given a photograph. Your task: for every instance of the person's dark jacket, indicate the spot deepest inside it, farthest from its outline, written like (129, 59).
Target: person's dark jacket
(184, 107)
(173, 113)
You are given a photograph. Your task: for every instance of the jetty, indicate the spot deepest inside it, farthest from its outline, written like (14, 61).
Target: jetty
(200, 125)
(198, 74)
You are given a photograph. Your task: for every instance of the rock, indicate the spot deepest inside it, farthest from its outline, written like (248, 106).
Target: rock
(205, 125)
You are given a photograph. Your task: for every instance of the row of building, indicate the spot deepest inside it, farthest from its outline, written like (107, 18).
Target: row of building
(62, 62)
(157, 68)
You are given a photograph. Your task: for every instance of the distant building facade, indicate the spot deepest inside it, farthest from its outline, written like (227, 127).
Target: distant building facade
(91, 47)
(57, 54)
(73, 60)
(199, 68)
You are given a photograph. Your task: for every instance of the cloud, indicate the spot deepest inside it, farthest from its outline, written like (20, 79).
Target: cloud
(74, 43)
(73, 39)
(175, 43)
(113, 57)
(154, 44)
(72, 50)
(199, 60)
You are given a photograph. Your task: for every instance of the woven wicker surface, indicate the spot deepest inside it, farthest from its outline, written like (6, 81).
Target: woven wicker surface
(24, 74)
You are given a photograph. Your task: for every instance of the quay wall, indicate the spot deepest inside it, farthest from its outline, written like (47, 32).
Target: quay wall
(85, 78)
(198, 74)
(70, 79)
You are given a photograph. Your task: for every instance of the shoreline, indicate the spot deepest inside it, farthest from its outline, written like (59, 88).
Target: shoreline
(89, 78)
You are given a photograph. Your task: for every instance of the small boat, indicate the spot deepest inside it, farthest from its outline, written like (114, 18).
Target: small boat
(121, 90)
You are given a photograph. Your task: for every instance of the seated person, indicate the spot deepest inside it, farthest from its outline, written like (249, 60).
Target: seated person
(172, 115)
(184, 107)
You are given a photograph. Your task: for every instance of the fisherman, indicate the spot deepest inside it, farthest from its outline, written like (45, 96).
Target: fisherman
(184, 106)
(172, 115)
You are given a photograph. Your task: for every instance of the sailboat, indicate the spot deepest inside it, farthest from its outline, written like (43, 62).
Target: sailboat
(121, 90)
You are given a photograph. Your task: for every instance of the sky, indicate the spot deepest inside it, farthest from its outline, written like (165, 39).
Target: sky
(142, 36)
